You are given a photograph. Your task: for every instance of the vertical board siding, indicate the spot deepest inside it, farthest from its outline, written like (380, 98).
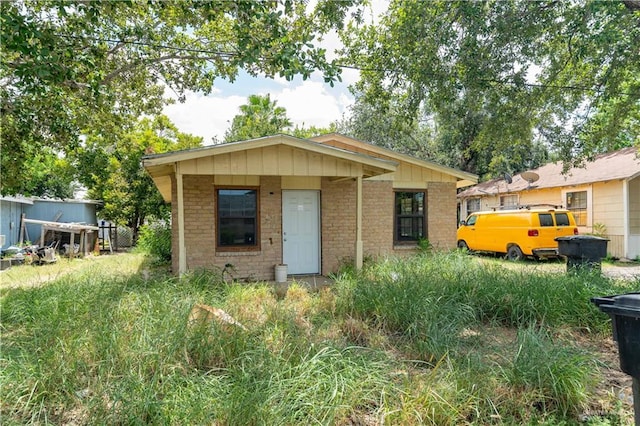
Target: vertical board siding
(278, 160)
(634, 206)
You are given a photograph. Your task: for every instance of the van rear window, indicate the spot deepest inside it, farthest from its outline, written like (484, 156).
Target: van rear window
(546, 219)
(562, 219)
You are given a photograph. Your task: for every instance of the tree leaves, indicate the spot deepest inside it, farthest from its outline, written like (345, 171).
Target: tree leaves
(259, 117)
(112, 172)
(91, 67)
(500, 75)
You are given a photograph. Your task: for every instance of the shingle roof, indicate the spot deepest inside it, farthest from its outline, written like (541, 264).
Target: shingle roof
(622, 164)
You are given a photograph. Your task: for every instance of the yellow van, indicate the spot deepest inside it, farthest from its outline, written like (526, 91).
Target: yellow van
(518, 233)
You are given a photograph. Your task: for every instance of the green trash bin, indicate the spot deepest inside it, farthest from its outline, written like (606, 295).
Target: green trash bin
(583, 252)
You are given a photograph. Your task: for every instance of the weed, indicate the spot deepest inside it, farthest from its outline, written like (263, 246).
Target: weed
(435, 339)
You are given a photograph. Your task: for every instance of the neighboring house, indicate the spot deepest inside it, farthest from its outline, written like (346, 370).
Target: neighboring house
(604, 196)
(11, 210)
(59, 210)
(67, 211)
(308, 203)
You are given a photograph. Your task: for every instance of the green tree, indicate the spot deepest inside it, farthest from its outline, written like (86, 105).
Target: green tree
(423, 138)
(383, 127)
(303, 132)
(117, 177)
(260, 116)
(68, 68)
(499, 78)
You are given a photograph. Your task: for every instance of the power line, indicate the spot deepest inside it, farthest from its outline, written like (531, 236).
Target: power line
(157, 46)
(229, 54)
(493, 80)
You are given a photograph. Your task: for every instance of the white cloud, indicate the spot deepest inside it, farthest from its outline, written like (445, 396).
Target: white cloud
(311, 104)
(308, 103)
(206, 116)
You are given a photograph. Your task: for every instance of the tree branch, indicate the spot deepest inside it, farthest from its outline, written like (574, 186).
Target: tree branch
(135, 64)
(632, 4)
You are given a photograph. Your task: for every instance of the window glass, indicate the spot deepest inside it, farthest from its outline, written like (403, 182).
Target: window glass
(577, 204)
(508, 202)
(562, 219)
(546, 219)
(472, 220)
(473, 205)
(237, 217)
(409, 216)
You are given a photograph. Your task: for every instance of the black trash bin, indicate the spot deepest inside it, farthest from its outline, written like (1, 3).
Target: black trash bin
(582, 251)
(624, 310)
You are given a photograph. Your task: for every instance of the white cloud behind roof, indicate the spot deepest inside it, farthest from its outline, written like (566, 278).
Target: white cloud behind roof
(308, 103)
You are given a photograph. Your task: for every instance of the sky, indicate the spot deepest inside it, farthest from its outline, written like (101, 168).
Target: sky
(308, 103)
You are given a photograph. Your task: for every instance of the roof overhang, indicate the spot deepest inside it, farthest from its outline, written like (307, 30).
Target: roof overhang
(463, 179)
(19, 200)
(162, 167)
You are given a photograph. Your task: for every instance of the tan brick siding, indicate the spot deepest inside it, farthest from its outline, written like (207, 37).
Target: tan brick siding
(441, 214)
(377, 218)
(200, 219)
(338, 210)
(338, 224)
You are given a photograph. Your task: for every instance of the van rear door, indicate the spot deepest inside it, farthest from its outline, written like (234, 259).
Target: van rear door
(565, 224)
(546, 232)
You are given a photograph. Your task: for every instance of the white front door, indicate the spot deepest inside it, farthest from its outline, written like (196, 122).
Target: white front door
(301, 231)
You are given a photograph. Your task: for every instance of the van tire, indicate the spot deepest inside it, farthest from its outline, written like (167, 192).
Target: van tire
(462, 245)
(514, 253)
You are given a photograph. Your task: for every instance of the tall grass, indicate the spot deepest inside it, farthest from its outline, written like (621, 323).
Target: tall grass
(400, 293)
(401, 342)
(552, 377)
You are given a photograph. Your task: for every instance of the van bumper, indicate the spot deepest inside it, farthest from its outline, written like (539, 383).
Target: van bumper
(545, 252)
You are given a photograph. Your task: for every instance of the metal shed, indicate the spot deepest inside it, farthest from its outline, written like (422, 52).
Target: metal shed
(11, 210)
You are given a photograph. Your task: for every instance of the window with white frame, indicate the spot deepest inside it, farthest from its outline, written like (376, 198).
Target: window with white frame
(508, 202)
(577, 204)
(473, 205)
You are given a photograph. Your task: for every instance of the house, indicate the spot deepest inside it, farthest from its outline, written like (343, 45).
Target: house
(311, 204)
(59, 210)
(604, 196)
(23, 219)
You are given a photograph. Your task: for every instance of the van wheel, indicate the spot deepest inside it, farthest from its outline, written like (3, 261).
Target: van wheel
(514, 253)
(462, 245)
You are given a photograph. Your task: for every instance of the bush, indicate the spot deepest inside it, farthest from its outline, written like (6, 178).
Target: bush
(155, 239)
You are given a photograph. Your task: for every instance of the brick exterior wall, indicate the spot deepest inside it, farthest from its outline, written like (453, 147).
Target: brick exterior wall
(441, 214)
(338, 224)
(377, 218)
(200, 222)
(338, 212)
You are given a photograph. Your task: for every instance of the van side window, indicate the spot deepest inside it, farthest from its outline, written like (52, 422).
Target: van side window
(562, 219)
(472, 220)
(546, 219)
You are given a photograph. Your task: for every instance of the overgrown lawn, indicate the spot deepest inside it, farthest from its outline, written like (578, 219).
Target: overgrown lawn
(436, 339)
